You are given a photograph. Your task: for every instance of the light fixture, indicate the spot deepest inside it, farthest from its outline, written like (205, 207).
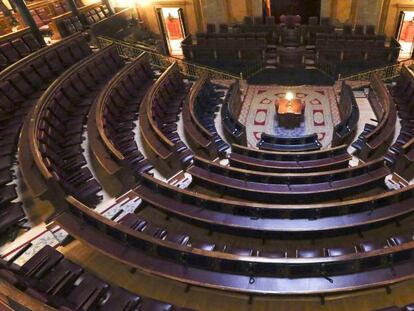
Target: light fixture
(289, 96)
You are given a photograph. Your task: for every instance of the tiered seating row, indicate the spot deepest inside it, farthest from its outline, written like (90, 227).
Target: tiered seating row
(15, 46)
(43, 11)
(241, 270)
(293, 144)
(157, 121)
(111, 122)
(199, 111)
(64, 25)
(60, 22)
(349, 113)
(375, 139)
(67, 24)
(400, 155)
(60, 283)
(286, 162)
(250, 217)
(55, 131)
(288, 188)
(96, 19)
(230, 113)
(95, 13)
(21, 85)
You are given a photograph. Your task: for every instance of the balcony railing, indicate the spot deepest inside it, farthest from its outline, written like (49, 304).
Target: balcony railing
(385, 73)
(161, 61)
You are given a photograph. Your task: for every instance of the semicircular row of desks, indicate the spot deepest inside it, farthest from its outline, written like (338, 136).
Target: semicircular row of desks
(61, 91)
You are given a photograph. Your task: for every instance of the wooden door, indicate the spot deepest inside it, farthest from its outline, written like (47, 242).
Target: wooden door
(163, 30)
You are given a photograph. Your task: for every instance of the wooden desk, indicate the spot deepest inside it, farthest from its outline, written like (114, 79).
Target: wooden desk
(289, 113)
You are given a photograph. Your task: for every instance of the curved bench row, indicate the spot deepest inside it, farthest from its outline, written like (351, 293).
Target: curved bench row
(242, 271)
(287, 162)
(16, 45)
(285, 144)
(60, 283)
(375, 168)
(374, 140)
(198, 116)
(22, 84)
(111, 123)
(235, 131)
(253, 218)
(288, 188)
(55, 130)
(349, 112)
(158, 115)
(400, 154)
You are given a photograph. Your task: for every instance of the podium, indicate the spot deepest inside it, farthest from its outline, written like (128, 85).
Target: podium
(289, 113)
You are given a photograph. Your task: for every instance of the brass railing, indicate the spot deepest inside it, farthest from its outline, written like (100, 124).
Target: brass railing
(195, 70)
(384, 73)
(161, 61)
(328, 69)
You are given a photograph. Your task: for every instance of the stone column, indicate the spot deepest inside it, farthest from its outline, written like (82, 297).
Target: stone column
(199, 15)
(354, 12)
(257, 7)
(326, 8)
(369, 12)
(383, 15)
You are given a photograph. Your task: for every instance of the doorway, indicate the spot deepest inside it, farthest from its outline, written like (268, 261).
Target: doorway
(405, 34)
(173, 29)
(304, 8)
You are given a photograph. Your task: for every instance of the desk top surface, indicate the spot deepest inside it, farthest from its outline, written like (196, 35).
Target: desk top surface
(285, 106)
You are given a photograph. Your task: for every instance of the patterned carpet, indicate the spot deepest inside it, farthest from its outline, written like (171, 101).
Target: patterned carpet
(258, 112)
